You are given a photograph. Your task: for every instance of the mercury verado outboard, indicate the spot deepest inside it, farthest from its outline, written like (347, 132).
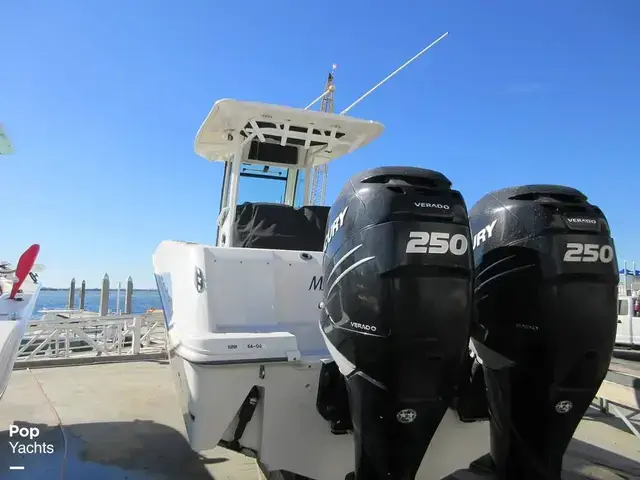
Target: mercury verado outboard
(546, 290)
(397, 310)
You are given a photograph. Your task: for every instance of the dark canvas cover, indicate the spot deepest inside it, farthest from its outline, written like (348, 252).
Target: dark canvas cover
(280, 227)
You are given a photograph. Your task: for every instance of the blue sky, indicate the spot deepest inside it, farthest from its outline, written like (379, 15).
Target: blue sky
(102, 100)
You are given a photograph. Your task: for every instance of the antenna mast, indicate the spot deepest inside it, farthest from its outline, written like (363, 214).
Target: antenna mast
(320, 173)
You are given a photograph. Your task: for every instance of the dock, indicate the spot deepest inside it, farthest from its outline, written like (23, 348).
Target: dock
(121, 420)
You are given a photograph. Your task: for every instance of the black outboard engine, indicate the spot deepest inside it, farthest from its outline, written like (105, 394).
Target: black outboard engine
(397, 310)
(546, 294)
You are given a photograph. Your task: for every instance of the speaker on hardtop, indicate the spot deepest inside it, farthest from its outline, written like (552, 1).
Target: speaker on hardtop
(396, 311)
(545, 293)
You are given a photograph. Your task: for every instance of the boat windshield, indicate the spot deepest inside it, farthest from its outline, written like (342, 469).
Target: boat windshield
(264, 183)
(299, 196)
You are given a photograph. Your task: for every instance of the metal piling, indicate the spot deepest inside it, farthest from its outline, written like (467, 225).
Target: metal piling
(104, 296)
(128, 297)
(72, 295)
(83, 293)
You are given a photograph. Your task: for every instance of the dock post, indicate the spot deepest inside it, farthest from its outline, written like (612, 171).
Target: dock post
(128, 297)
(83, 292)
(104, 296)
(118, 298)
(72, 295)
(137, 335)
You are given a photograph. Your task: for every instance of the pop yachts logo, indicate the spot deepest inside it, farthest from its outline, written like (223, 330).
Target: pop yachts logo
(25, 441)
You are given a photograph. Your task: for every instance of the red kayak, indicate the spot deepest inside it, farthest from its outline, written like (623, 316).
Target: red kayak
(25, 264)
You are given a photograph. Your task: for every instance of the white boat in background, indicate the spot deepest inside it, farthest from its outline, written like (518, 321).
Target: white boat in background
(15, 311)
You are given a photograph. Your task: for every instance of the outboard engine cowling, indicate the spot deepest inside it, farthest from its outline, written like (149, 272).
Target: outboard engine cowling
(397, 310)
(546, 294)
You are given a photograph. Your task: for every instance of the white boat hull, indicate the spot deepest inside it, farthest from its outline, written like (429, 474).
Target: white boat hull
(287, 432)
(14, 317)
(254, 322)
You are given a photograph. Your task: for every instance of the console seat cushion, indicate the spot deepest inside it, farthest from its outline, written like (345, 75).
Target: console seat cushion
(280, 227)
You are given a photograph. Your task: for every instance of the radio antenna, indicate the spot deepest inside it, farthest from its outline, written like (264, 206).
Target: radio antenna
(329, 89)
(320, 172)
(391, 74)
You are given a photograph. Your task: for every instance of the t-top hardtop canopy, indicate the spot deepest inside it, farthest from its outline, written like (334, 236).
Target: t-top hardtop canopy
(279, 135)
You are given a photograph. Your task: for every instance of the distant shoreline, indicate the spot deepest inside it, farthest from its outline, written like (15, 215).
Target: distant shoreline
(51, 289)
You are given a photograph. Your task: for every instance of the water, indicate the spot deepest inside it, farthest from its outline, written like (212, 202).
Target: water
(143, 300)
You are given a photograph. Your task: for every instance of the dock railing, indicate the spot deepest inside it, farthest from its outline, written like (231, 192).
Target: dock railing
(613, 398)
(73, 334)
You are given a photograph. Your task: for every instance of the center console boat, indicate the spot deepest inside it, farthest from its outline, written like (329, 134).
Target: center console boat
(252, 368)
